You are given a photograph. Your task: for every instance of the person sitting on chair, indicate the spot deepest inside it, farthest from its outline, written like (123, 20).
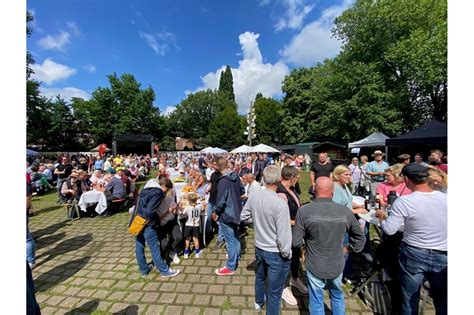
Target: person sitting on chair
(115, 189)
(69, 190)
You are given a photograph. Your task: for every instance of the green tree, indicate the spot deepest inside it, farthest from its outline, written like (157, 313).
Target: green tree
(37, 119)
(122, 108)
(410, 51)
(268, 115)
(192, 117)
(63, 131)
(226, 85)
(227, 129)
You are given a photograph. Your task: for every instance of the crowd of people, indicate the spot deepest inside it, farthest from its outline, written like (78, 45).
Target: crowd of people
(224, 193)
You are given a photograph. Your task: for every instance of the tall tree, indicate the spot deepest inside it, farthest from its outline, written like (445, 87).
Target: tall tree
(410, 51)
(227, 129)
(226, 85)
(122, 108)
(268, 115)
(37, 118)
(192, 117)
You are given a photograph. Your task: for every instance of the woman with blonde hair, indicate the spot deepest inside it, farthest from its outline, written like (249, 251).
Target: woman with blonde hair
(393, 182)
(437, 179)
(342, 176)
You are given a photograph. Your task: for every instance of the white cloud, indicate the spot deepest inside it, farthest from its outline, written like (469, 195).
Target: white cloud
(252, 76)
(264, 3)
(315, 43)
(160, 42)
(73, 27)
(66, 93)
(57, 42)
(50, 71)
(296, 11)
(90, 68)
(169, 110)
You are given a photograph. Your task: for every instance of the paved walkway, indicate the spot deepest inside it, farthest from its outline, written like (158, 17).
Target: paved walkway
(88, 266)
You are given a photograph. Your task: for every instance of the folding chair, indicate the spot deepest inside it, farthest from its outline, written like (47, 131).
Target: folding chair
(72, 208)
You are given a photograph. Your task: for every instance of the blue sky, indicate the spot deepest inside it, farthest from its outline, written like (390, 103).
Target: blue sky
(178, 46)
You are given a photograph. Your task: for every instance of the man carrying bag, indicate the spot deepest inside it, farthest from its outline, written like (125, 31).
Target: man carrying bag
(148, 201)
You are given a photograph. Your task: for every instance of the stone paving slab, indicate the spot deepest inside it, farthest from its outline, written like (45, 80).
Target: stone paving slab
(88, 266)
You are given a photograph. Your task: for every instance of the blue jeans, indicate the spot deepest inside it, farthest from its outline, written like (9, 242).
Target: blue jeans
(232, 240)
(150, 236)
(316, 295)
(415, 265)
(274, 269)
(30, 245)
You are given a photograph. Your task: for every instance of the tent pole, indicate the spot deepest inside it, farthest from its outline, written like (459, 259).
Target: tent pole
(386, 153)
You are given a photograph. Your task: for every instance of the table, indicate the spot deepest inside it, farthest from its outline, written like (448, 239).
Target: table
(93, 196)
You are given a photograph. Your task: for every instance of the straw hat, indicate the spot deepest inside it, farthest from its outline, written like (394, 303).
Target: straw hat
(378, 152)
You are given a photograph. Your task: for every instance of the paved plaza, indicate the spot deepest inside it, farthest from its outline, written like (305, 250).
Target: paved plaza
(88, 266)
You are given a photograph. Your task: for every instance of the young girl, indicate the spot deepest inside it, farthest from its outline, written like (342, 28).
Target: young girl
(193, 212)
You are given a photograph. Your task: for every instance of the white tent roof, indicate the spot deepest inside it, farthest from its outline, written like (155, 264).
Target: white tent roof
(242, 149)
(207, 150)
(213, 150)
(377, 139)
(263, 148)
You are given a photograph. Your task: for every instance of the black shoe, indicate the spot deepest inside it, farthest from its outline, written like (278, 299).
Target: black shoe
(106, 214)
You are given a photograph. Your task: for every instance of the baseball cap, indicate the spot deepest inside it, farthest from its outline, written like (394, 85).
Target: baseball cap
(415, 171)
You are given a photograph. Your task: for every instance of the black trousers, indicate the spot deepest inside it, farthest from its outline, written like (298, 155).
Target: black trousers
(173, 230)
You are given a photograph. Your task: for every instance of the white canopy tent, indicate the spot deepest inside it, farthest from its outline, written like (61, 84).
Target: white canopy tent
(263, 148)
(242, 149)
(207, 150)
(377, 139)
(213, 150)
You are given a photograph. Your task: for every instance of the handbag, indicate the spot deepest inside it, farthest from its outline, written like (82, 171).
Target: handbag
(138, 223)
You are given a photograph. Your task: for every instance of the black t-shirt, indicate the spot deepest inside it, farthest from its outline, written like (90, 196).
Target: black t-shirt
(322, 170)
(213, 191)
(68, 167)
(83, 166)
(201, 162)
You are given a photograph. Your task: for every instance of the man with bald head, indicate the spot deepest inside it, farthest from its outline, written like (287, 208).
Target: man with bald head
(322, 225)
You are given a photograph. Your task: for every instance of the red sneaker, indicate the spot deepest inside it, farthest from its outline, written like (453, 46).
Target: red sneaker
(224, 271)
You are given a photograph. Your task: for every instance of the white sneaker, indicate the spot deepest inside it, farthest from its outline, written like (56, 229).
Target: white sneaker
(197, 255)
(176, 259)
(288, 296)
(186, 256)
(258, 308)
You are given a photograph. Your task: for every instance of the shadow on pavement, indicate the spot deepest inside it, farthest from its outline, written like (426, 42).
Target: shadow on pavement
(68, 245)
(129, 310)
(87, 307)
(48, 240)
(51, 208)
(48, 230)
(59, 274)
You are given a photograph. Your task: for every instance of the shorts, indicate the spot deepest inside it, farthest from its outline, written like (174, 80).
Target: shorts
(191, 231)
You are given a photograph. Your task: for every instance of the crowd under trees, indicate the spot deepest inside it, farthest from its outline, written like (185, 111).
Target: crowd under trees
(390, 76)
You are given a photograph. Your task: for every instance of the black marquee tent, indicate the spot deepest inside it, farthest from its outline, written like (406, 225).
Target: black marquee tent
(434, 133)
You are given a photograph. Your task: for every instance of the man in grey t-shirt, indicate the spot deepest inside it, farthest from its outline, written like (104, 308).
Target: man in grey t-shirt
(271, 219)
(322, 225)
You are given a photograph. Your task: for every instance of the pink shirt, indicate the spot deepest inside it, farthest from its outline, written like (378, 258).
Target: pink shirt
(384, 189)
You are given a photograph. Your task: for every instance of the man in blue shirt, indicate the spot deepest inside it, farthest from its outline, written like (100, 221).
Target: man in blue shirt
(376, 171)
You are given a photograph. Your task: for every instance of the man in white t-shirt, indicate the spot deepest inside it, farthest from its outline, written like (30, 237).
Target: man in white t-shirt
(424, 249)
